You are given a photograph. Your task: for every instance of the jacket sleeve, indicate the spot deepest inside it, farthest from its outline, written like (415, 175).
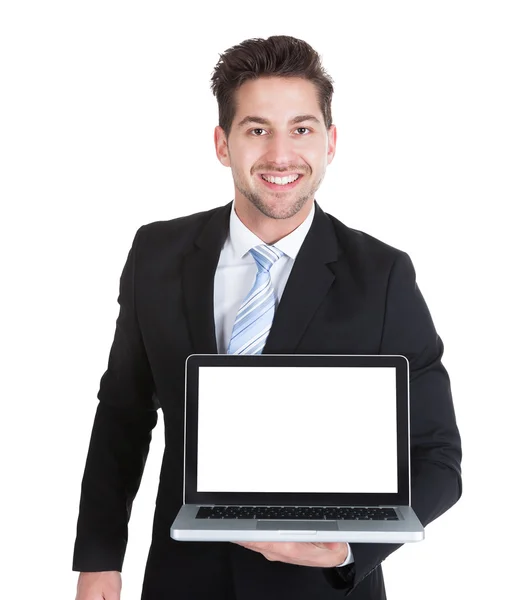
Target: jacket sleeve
(120, 439)
(436, 451)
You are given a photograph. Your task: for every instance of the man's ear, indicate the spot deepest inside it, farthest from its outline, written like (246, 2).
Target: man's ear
(332, 140)
(220, 142)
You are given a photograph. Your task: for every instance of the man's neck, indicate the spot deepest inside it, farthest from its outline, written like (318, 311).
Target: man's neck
(267, 229)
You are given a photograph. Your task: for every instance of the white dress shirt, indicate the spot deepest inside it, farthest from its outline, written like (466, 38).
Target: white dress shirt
(235, 276)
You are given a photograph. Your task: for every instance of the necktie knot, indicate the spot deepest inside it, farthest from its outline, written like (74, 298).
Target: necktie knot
(265, 256)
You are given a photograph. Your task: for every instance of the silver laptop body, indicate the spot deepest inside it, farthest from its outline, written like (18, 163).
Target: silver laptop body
(297, 448)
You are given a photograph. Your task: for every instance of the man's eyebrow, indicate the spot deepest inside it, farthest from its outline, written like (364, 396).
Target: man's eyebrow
(262, 121)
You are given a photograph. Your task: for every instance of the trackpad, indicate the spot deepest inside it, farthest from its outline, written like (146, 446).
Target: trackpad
(297, 525)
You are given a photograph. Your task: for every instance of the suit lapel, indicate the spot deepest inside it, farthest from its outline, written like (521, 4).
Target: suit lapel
(198, 271)
(307, 286)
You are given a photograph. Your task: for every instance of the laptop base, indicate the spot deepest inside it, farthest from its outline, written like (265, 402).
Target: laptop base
(187, 528)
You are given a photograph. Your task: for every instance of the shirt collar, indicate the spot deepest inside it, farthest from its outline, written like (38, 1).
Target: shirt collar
(243, 239)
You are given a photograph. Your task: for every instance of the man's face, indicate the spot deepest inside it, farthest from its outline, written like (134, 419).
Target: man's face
(280, 140)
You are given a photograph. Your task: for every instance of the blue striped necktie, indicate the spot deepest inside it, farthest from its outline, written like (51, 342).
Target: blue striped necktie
(253, 320)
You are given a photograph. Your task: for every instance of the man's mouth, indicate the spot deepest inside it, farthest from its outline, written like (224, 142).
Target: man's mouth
(280, 183)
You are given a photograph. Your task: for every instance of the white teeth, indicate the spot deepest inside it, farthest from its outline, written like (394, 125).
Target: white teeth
(281, 180)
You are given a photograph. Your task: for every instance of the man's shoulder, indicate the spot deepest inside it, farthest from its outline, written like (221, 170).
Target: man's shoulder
(194, 221)
(363, 246)
(178, 232)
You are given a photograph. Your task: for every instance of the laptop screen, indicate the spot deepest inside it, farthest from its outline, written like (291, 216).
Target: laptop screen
(297, 430)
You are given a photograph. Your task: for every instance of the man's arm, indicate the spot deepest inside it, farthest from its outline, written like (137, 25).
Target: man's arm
(436, 452)
(120, 439)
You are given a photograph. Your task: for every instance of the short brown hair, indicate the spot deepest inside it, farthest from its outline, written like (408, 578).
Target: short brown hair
(278, 56)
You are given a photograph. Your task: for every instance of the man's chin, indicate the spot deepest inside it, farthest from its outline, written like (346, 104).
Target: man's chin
(279, 209)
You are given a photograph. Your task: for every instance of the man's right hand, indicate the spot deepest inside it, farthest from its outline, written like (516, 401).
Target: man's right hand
(103, 585)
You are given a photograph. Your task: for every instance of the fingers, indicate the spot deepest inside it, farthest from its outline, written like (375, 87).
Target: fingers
(314, 554)
(328, 545)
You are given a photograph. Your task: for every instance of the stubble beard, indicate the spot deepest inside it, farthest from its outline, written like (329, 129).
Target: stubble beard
(277, 212)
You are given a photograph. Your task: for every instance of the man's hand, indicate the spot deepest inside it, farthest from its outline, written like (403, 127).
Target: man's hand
(308, 554)
(103, 585)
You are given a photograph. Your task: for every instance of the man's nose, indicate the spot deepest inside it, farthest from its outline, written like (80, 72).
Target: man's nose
(281, 149)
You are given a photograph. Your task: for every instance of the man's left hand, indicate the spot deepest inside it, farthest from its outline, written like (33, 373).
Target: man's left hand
(308, 554)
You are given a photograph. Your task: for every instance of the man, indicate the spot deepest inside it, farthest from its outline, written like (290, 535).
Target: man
(335, 290)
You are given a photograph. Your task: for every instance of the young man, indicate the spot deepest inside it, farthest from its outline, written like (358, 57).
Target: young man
(186, 288)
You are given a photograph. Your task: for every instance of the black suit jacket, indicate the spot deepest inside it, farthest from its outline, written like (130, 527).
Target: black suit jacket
(348, 293)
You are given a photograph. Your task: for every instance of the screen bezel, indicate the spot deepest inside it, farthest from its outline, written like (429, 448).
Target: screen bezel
(195, 361)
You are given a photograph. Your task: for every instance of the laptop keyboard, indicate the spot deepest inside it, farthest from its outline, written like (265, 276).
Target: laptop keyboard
(305, 513)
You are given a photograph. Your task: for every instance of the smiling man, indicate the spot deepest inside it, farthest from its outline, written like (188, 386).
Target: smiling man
(278, 152)
(268, 273)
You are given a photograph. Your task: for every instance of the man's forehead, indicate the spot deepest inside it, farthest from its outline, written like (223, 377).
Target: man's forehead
(277, 101)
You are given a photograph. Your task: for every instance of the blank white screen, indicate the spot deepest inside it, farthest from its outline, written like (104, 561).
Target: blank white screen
(297, 429)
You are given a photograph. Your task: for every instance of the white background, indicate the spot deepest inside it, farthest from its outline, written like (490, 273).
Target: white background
(106, 123)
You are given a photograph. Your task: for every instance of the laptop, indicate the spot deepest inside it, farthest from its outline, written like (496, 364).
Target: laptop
(297, 448)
